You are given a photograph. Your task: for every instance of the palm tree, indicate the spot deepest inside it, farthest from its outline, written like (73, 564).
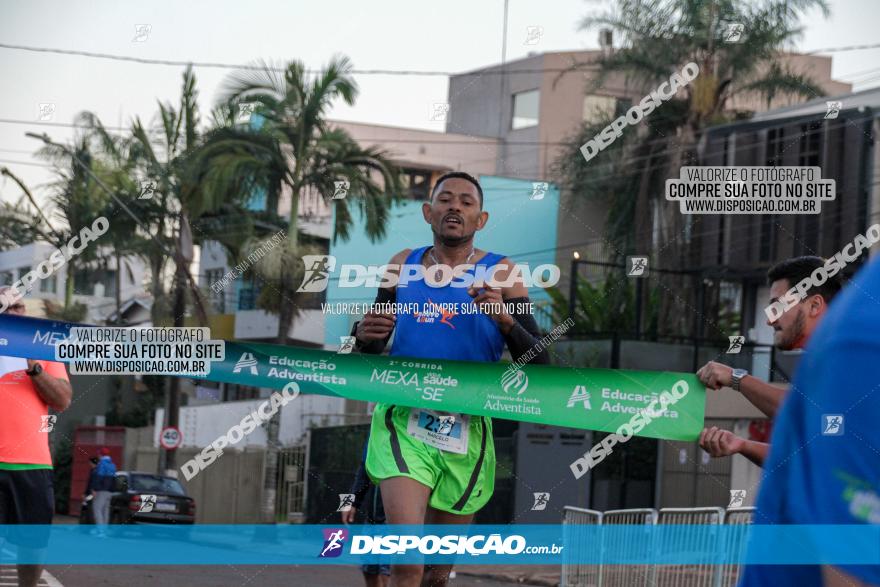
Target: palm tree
(19, 224)
(659, 38)
(117, 172)
(168, 157)
(75, 202)
(293, 150)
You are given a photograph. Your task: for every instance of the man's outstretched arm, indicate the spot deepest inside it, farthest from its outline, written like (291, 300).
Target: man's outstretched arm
(724, 443)
(763, 396)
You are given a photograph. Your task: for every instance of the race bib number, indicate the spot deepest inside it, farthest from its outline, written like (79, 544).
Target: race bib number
(441, 430)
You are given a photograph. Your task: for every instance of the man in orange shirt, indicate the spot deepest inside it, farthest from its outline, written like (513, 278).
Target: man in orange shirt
(28, 389)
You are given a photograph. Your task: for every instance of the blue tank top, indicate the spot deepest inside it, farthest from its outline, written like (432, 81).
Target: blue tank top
(444, 333)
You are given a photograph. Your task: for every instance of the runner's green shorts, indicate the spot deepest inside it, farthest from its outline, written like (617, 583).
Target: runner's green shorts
(460, 482)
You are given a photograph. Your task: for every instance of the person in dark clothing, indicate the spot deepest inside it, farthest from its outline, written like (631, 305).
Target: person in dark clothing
(91, 485)
(365, 492)
(101, 489)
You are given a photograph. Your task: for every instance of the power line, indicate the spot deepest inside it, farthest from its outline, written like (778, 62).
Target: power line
(58, 124)
(11, 162)
(862, 73)
(842, 49)
(217, 65)
(406, 72)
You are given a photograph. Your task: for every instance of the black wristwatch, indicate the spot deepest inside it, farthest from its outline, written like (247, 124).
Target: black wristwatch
(35, 370)
(358, 345)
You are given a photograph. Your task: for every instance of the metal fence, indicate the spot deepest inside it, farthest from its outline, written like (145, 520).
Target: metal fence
(735, 546)
(702, 575)
(586, 572)
(627, 575)
(584, 565)
(291, 490)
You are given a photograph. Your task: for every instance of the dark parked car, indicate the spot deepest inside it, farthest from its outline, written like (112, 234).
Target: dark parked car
(145, 498)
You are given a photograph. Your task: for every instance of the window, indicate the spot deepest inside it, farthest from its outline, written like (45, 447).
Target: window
(218, 298)
(22, 271)
(806, 227)
(623, 106)
(87, 280)
(775, 146)
(599, 108)
(6, 278)
(525, 110)
(415, 184)
(775, 150)
(235, 393)
(248, 293)
(156, 484)
(49, 285)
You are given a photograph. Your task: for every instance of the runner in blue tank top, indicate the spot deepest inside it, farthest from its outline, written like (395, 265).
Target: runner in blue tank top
(434, 467)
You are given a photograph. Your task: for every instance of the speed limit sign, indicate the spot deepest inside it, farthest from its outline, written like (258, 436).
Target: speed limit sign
(170, 437)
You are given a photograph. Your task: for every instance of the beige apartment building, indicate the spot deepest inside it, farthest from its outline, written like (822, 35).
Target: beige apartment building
(541, 101)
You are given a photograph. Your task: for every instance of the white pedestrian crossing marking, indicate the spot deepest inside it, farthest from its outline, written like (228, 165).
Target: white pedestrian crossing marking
(9, 578)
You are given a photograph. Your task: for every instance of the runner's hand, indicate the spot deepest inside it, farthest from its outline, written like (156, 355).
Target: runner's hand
(715, 375)
(348, 517)
(488, 299)
(720, 443)
(375, 326)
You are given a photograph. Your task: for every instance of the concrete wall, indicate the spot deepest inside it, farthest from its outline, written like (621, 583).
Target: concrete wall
(817, 67)
(307, 327)
(475, 98)
(454, 150)
(201, 425)
(543, 456)
(229, 491)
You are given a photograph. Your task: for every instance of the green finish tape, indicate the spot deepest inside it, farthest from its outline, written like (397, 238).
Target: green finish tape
(592, 399)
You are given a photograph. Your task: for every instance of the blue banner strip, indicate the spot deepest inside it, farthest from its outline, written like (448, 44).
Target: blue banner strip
(514, 544)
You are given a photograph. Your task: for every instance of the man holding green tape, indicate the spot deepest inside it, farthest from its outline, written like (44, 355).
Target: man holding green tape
(434, 467)
(27, 389)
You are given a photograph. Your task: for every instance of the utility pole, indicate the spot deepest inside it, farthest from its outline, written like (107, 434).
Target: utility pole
(502, 98)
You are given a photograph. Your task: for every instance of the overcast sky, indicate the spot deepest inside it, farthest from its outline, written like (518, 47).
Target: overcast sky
(449, 35)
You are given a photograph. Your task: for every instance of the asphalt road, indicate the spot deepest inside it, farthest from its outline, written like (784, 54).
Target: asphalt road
(227, 576)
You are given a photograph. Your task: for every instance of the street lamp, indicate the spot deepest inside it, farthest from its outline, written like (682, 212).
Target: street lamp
(572, 285)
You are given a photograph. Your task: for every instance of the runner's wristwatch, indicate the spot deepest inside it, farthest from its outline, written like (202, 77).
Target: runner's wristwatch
(35, 370)
(736, 377)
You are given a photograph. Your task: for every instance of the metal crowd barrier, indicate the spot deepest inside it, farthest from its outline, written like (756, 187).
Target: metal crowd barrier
(585, 571)
(583, 565)
(698, 575)
(628, 575)
(728, 574)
